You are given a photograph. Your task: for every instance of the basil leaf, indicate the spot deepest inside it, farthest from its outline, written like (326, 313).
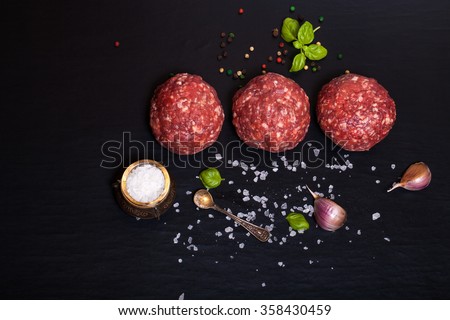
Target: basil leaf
(210, 178)
(298, 63)
(306, 33)
(315, 52)
(289, 29)
(297, 221)
(297, 44)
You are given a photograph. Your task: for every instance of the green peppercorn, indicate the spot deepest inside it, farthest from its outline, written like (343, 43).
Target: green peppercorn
(229, 72)
(321, 18)
(340, 56)
(292, 8)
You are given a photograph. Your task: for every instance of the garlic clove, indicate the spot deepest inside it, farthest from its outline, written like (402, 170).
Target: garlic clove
(416, 177)
(328, 214)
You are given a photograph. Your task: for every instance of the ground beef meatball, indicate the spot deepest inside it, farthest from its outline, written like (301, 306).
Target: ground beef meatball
(356, 112)
(271, 113)
(185, 114)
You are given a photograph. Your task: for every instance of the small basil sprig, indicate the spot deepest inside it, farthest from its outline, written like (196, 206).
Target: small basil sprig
(210, 178)
(297, 221)
(301, 38)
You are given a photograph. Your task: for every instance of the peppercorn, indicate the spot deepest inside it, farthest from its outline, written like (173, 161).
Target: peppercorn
(263, 71)
(223, 34)
(246, 56)
(116, 44)
(279, 60)
(221, 70)
(275, 32)
(241, 76)
(219, 57)
(314, 69)
(279, 53)
(235, 76)
(225, 54)
(230, 39)
(285, 52)
(347, 71)
(239, 73)
(292, 8)
(305, 68)
(223, 44)
(321, 18)
(263, 66)
(270, 58)
(251, 48)
(229, 72)
(244, 71)
(340, 56)
(241, 11)
(281, 44)
(231, 35)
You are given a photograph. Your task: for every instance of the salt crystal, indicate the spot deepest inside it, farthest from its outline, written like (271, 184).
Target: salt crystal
(181, 297)
(245, 199)
(235, 163)
(275, 205)
(257, 198)
(376, 215)
(218, 234)
(241, 245)
(188, 192)
(218, 156)
(176, 205)
(228, 229)
(189, 240)
(358, 232)
(263, 284)
(231, 182)
(255, 179)
(244, 166)
(316, 152)
(305, 248)
(303, 165)
(387, 239)
(393, 166)
(377, 181)
(145, 183)
(319, 241)
(280, 263)
(211, 216)
(180, 260)
(275, 169)
(373, 168)
(231, 236)
(311, 262)
(245, 192)
(292, 233)
(177, 210)
(190, 227)
(284, 206)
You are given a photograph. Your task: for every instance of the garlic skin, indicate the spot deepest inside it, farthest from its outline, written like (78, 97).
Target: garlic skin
(416, 177)
(328, 214)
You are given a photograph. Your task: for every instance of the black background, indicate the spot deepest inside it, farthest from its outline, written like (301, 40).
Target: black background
(67, 90)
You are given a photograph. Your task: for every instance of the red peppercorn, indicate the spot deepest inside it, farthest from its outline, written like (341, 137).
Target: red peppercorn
(279, 60)
(281, 44)
(241, 11)
(116, 44)
(263, 66)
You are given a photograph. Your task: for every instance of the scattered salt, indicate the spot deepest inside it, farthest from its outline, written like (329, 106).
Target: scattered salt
(180, 260)
(393, 166)
(228, 229)
(387, 239)
(190, 227)
(376, 215)
(373, 168)
(231, 182)
(241, 245)
(219, 156)
(176, 205)
(188, 192)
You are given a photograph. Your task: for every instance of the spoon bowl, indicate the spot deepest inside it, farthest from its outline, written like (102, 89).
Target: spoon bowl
(203, 199)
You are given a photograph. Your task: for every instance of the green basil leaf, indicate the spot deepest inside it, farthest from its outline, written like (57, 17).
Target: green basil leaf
(306, 33)
(298, 63)
(297, 44)
(297, 221)
(210, 178)
(315, 52)
(289, 29)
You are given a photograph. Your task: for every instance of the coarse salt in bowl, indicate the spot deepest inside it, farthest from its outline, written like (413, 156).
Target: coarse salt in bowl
(145, 183)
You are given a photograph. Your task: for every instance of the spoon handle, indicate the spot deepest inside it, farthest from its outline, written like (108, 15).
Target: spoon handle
(259, 233)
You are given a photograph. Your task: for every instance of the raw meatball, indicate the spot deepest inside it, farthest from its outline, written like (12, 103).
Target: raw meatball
(186, 115)
(271, 113)
(356, 112)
